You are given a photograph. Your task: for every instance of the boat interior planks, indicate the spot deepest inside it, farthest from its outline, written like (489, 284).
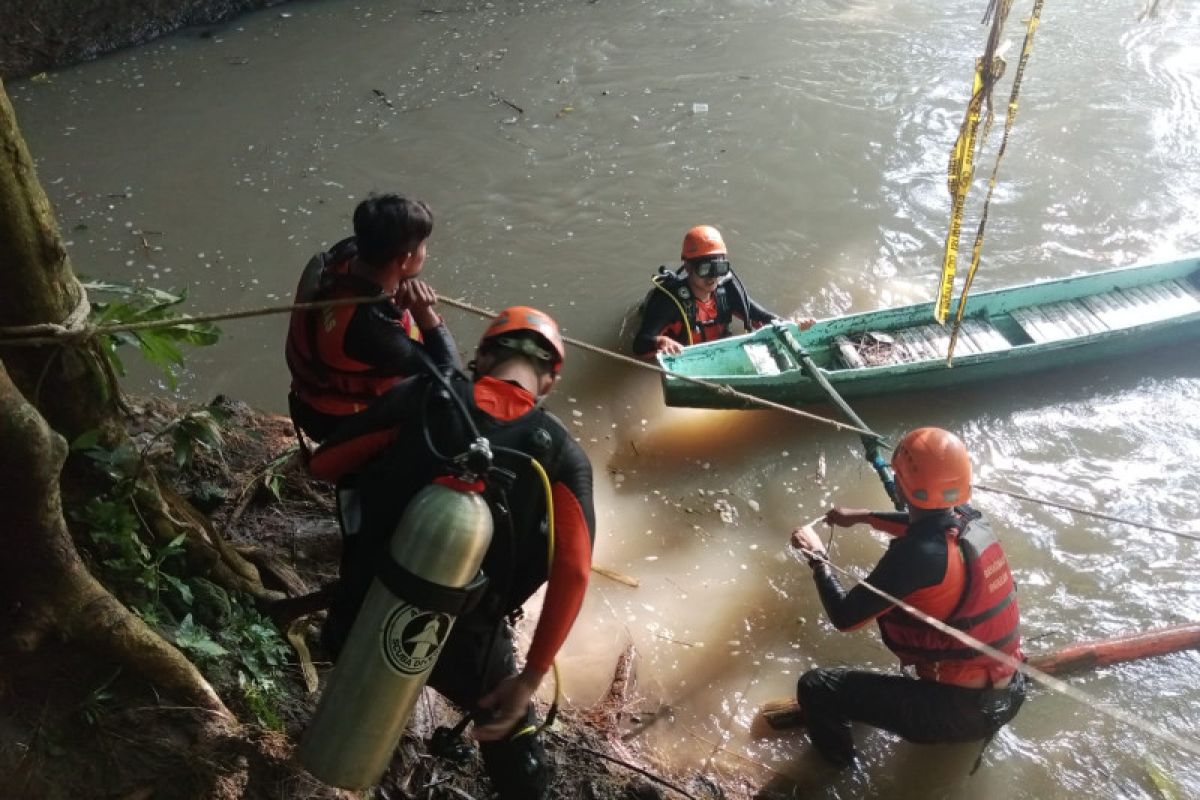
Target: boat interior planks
(929, 342)
(1052, 322)
(1137, 305)
(988, 339)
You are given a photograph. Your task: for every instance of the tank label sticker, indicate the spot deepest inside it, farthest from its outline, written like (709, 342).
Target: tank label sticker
(413, 637)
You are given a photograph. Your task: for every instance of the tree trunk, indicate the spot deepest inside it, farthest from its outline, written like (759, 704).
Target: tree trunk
(70, 386)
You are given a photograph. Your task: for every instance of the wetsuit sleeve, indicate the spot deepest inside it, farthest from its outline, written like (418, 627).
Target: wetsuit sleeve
(759, 316)
(660, 317)
(364, 435)
(374, 336)
(908, 565)
(893, 523)
(574, 532)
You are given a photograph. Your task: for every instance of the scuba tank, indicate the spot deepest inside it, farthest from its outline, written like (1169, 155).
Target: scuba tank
(431, 576)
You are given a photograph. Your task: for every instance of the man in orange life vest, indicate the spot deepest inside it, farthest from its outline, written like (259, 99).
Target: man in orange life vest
(697, 302)
(344, 357)
(946, 562)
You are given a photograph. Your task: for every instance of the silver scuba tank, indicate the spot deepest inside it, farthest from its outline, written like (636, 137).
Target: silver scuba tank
(435, 555)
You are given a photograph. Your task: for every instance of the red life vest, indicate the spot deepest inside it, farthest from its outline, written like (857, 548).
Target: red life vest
(323, 376)
(986, 609)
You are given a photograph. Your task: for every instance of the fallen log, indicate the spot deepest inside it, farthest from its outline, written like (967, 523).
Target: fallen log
(784, 716)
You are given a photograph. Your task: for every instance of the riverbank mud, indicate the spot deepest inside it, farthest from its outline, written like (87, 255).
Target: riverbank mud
(72, 726)
(37, 35)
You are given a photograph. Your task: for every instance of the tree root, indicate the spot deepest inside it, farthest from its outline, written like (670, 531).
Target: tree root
(168, 514)
(43, 578)
(273, 570)
(284, 612)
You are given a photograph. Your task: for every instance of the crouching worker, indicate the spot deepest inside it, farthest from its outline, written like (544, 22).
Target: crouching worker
(946, 562)
(537, 466)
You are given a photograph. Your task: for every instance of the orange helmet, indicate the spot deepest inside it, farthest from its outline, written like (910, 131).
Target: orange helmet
(702, 240)
(932, 468)
(524, 318)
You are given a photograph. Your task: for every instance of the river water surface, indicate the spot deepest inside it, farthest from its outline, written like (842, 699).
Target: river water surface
(815, 135)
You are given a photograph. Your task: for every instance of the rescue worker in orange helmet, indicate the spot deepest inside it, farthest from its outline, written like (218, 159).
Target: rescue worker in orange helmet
(516, 365)
(946, 562)
(697, 301)
(343, 357)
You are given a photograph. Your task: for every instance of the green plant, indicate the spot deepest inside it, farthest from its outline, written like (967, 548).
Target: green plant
(246, 650)
(262, 704)
(120, 464)
(224, 635)
(200, 428)
(272, 474)
(128, 562)
(136, 304)
(98, 700)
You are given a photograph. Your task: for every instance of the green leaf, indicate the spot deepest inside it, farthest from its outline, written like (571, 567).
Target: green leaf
(159, 349)
(200, 334)
(181, 588)
(182, 446)
(86, 440)
(204, 428)
(196, 639)
(134, 304)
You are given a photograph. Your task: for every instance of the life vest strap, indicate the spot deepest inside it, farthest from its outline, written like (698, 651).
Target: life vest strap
(952, 654)
(966, 623)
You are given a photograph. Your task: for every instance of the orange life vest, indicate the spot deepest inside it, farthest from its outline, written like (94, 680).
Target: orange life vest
(986, 609)
(323, 376)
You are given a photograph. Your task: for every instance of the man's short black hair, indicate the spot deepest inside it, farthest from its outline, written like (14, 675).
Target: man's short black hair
(386, 226)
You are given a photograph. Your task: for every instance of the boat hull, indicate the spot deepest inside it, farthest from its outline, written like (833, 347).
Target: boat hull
(1020, 321)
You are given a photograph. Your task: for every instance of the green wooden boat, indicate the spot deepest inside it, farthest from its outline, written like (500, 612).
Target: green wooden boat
(1005, 332)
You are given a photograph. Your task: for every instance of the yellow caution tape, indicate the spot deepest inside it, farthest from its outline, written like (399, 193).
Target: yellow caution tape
(1030, 30)
(961, 169)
